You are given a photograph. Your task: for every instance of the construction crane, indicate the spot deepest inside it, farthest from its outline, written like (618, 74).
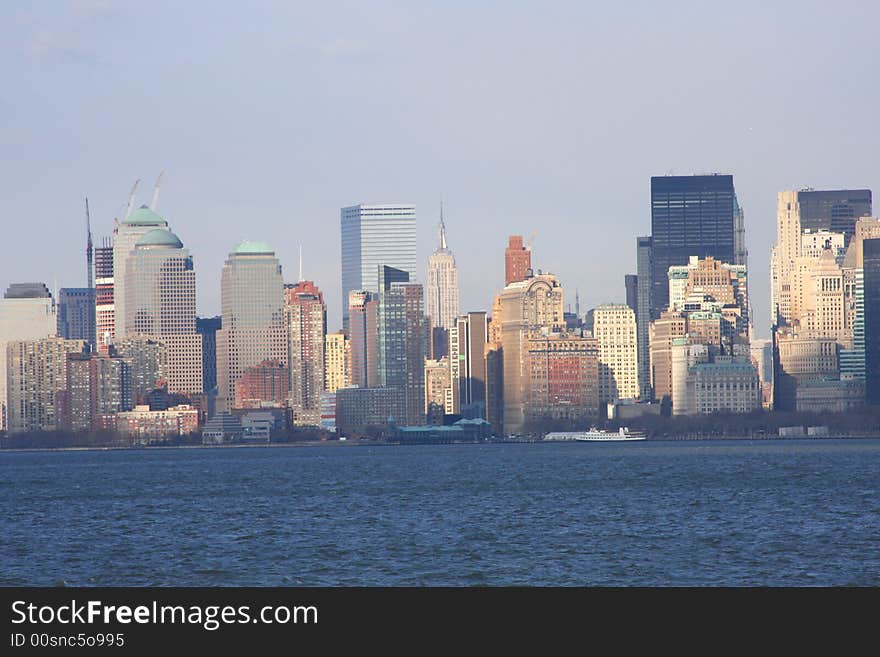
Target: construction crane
(131, 198)
(156, 191)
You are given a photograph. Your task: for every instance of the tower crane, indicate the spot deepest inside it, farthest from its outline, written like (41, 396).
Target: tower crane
(156, 191)
(131, 198)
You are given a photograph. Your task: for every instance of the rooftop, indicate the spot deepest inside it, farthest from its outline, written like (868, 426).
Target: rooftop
(161, 238)
(144, 216)
(248, 247)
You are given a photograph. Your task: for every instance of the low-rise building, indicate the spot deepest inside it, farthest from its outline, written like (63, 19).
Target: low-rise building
(725, 387)
(145, 426)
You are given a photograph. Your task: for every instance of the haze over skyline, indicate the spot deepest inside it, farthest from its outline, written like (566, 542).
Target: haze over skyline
(269, 119)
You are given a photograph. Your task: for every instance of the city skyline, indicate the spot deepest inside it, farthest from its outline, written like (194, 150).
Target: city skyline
(572, 153)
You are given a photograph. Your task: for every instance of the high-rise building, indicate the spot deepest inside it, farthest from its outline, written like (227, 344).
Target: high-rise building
(690, 216)
(833, 210)
(644, 291)
(76, 314)
(631, 283)
(470, 371)
(266, 384)
(27, 312)
(207, 327)
(252, 301)
(563, 377)
(337, 354)
(707, 285)
(403, 347)
(146, 358)
(526, 306)
(105, 314)
(375, 235)
(98, 387)
(517, 260)
(438, 388)
(871, 260)
(37, 373)
(125, 236)
(441, 293)
(305, 322)
(663, 331)
(363, 333)
(494, 357)
(160, 289)
(614, 326)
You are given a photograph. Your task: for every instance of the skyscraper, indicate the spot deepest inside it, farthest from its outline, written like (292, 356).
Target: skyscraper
(517, 260)
(615, 329)
(207, 327)
(833, 210)
(472, 337)
(526, 306)
(337, 356)
(690, 216)
(643, 310)
(563, 377)
(363, 332)
(252, 301)
(403, 347)
(631, 283)
(27, 312)
(305, 321)
(375, 235)
(441, 293)
(76, 314)
(37, 374)
(105, 316)
(160, 284)
(126, 235)
(871, 256)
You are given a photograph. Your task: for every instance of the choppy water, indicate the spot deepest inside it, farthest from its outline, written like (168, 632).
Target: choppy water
(652, 513)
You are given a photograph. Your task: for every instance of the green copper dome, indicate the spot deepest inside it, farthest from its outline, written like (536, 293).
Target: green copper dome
(160, 237)
(143, 216)
(253, 248)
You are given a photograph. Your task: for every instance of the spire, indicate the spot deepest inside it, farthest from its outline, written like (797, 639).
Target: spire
(89, 249)
(442, 230)
(577, 303)
(301, 279)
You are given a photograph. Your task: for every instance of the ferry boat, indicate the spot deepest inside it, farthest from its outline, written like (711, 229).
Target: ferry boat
(597, 435)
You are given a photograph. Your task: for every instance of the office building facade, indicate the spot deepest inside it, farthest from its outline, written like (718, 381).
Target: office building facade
(375, 235)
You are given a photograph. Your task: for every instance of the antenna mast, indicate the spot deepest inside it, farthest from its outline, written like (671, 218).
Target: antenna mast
(90, 272)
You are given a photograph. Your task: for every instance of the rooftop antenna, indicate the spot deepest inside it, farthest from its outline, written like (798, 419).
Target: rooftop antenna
(131, 198)
(156, 191)
(442, 228)
(301, 262)
(89, 249)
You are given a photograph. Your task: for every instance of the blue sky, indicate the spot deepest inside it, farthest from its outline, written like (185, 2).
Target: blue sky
(550, 117)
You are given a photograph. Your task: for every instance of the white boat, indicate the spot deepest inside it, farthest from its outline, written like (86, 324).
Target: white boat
(596, 435)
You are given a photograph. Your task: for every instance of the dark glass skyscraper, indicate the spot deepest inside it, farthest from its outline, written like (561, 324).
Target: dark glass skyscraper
(871, 250)
(690, 216)
(76, 314)
(207, 327)
(836, 210)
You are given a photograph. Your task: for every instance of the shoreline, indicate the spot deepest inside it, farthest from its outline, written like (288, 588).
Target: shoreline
(371, 443)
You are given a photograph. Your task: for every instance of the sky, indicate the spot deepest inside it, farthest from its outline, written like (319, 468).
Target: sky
(522, 117)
